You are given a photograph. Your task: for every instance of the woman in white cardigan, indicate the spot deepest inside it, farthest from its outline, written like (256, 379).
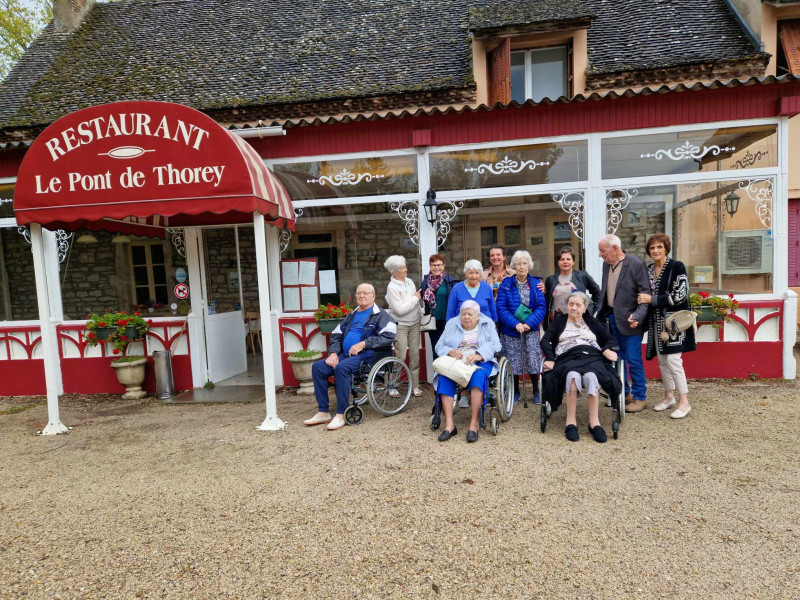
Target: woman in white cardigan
(403, 299)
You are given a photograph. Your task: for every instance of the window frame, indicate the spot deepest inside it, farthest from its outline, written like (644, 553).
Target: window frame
(151, 284)
(527, 52)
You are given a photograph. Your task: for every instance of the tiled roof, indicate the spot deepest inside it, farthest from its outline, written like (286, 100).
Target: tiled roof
(505, 13)
(220, 54)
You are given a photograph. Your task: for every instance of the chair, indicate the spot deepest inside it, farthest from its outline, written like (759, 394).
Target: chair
(385, 383)
(253, 321)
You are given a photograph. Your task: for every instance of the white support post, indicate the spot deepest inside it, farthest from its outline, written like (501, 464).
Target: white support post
(52, 366)
(594, 212)
(195, 319)
(52, 269)
(789, 334)
(427, 232)
(271, 422)
(273, 266)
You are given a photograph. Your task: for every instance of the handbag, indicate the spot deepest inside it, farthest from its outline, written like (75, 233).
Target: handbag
(454, 369)
(427, 323)
(522, 313)
(677, 322)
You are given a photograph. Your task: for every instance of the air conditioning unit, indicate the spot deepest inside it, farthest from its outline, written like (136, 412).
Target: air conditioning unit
(746, 251)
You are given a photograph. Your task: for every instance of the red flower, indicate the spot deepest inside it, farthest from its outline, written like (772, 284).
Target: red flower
(150, 322)
(137, 313)
(123, 337)
(91, 335)
(341, 304)
(116, 351)
(101, 324)
(704, 295)
(730, 295)
(122, 322)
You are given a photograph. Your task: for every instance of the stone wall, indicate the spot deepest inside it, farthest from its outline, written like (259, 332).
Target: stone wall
(92, 278)
(19, 279)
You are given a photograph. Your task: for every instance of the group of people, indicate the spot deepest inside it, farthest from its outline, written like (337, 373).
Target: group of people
(500, 310)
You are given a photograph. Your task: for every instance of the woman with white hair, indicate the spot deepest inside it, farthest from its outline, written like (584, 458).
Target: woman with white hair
(472, 338)
(521, 308)
(403, 299)
(472, 288)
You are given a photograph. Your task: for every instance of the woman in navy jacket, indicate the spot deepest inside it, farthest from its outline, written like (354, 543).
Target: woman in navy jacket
(515, 292)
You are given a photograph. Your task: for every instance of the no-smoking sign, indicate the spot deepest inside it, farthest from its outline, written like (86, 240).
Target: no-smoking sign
(181, 291)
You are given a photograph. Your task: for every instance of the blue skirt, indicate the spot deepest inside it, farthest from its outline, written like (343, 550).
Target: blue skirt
(480, 379)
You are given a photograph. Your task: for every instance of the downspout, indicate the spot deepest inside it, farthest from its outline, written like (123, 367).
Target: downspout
(754, 39)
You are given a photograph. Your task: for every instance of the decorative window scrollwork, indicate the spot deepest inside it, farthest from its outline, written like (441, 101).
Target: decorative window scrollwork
(505, 166)
(616, 201)
(345, 178)
(572, 204)
(62, 240)
(762, 196)
(687, 151)
(25, 232)
(286, 234)
(409, 212)
(177, 240)
(749, 159)
(446, 212)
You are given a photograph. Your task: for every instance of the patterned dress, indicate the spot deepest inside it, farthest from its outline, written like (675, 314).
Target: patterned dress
(512, 346)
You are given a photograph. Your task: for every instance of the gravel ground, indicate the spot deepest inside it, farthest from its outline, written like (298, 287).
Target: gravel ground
(142, 500)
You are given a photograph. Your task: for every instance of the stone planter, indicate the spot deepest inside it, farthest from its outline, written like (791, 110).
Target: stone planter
(328, 325)
(131, 375)
(301, 367)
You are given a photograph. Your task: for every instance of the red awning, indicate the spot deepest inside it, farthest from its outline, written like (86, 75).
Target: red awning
(154, 163)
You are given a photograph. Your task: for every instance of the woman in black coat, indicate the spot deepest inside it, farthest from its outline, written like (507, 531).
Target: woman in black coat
(577, 349)
(559, 286)
(670, 286)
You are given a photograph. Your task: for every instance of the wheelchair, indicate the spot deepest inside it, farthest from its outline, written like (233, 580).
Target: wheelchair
(385, 384)
(499, 397)
(616, 404)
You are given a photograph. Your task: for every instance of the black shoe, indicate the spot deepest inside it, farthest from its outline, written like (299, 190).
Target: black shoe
(572, 433)
(446, 435)
(599, 434)
(472, 436)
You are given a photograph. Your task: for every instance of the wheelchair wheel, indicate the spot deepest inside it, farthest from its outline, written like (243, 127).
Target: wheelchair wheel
(389, 386)
(615, 422)
(436, 417)
(359, 392)
(353, 415)
(543, 421)
(504, 385)
(495, 425)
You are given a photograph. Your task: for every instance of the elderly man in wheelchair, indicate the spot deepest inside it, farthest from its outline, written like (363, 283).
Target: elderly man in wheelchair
(578, 354)
(472, 339)
(365, 334)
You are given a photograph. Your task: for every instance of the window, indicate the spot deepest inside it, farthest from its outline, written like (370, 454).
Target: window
(149, 272)
(539, 73)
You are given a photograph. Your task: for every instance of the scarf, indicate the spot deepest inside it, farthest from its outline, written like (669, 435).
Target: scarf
(429, 296)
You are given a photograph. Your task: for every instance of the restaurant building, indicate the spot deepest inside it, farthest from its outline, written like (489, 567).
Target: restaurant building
(531, 125)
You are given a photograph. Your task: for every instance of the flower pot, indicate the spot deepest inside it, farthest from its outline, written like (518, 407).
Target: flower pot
(102, 333)
(150, 309)
(328, 325)
(131, 375)
(132, 333)
(707, 314)
(301, 367)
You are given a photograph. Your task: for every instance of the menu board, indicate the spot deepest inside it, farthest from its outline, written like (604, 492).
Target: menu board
(300, 284)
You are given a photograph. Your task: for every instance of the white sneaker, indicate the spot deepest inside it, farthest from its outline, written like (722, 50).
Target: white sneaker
(463, 401)
(336, 423)
(317, 419)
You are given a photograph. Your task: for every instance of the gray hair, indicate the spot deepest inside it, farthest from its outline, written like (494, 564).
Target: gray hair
(473, 265)
(394, 263)
(612, 240)
(471, 305)
(521, 255)
(371, 287)
(581, 296)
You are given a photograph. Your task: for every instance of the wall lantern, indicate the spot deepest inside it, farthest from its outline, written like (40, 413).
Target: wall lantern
(431, 206)
(121, 239)
(86, 238)
(732, 204)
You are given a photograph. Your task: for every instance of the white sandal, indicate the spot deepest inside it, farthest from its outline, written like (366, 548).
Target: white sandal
(662, 406)
(417, 392)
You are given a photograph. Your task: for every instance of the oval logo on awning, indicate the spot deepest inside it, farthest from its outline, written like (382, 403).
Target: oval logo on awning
(125, 152)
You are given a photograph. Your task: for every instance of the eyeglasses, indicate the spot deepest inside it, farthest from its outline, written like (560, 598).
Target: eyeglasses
(437, 264)
(364, 293)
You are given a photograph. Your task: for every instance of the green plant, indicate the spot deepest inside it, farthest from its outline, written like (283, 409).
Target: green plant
(332, 311)
(209, 385)
(724, 307)
(119, 322)
(305, 353)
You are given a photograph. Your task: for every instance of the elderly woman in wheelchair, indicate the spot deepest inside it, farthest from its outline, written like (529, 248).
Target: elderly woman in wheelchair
(577, 350)
(472, 339)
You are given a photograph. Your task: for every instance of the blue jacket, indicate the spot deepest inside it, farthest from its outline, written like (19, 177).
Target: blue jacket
(508, 302)
(484, 297)
(488, 342)
(378, 333)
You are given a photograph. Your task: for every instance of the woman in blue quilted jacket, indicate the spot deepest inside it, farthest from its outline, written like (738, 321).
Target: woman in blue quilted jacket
(520, 311)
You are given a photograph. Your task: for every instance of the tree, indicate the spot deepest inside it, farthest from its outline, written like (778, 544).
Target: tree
(20, 23)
